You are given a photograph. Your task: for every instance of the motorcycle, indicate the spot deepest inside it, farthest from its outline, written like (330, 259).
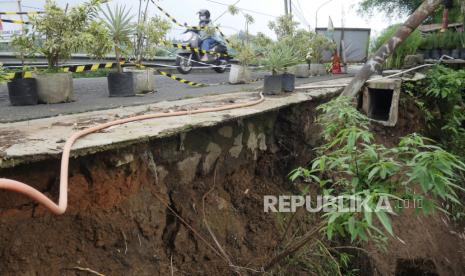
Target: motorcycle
(186, 58)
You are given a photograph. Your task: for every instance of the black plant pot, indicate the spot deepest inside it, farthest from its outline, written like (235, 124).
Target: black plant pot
(462, 53)
(455, 53)
(446, 52)
(427, 54)
(436, 53)
(121, 84)
(273, 85)
(23, 91)
(288, 82)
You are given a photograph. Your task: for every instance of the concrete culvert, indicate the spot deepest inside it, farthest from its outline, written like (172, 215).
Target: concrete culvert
(380, 101)
(380, 106)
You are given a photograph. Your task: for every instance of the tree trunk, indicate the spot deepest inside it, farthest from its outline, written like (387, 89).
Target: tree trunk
(445, 20)
(118, 57)
(375, 63)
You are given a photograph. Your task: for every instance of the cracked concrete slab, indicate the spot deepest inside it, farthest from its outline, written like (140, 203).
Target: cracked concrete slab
(41, 139)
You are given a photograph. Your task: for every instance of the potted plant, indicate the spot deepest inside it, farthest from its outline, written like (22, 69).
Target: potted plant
(427, 46)
(22, 91)
(456, 45)
(435, 45)
(448, 43)
(120, 28)
(462, 42)
(318, 46)
(56, 34)
(303, 42)
(149, 35)
(245, 55)
(422, 48)
(279, 57)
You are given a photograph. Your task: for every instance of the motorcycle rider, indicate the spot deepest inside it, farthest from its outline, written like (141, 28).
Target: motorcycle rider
(208, 41)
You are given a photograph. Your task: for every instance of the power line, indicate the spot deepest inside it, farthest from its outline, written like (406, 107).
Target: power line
(227, 9)
(302, 12)
(248, 10)
(300, 15)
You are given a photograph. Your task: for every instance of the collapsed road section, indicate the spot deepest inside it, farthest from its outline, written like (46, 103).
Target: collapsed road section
(126, 182)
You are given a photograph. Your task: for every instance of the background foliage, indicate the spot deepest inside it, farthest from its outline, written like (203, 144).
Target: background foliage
(351, 164)
(57, 33)
(408, 47)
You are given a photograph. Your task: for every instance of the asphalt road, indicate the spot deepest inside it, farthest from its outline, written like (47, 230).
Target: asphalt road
(92, 94)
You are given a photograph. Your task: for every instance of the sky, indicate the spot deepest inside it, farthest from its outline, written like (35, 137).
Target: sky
(263, 11)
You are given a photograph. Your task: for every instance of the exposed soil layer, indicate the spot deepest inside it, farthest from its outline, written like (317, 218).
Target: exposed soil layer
(160, 207)
(119, 219)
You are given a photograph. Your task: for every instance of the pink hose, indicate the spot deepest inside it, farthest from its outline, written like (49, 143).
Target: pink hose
(59, 209)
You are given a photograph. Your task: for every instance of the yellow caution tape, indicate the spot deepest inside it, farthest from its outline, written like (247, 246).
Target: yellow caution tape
(74, 69)
(15, 21)
(178, 79)
(21, 13)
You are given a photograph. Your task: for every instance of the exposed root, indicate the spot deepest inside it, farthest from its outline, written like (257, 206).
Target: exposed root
(91, 271)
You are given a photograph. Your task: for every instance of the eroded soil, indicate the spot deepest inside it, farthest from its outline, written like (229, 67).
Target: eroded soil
(192, 205)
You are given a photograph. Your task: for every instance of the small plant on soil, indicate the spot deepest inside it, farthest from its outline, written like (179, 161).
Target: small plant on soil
(351, 164)
(58, 32)
(120, 29)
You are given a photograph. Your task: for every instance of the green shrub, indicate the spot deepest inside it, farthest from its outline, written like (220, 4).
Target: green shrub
(280, 56)
(58, 32)
(462, 40)
(450, 40)
(408, 47)
(3, 74)
(284, 26)
(441, 98)
(119, 31)
(260, 42)
(351, 164)
(245, 53)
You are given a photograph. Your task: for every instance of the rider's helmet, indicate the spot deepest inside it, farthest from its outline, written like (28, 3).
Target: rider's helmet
(204, 17)
(449, 4)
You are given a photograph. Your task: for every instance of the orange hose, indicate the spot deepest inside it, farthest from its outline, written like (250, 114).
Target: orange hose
(19, 187)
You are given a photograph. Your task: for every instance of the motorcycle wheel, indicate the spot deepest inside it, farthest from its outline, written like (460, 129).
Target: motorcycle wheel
(183, 65)
(221, 70)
